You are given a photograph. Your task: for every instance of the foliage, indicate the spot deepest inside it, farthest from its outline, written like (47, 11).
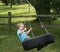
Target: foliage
(44, 7)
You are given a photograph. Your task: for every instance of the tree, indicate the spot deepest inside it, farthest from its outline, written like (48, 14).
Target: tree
(44, 6)
(56, 6)
(41, 6)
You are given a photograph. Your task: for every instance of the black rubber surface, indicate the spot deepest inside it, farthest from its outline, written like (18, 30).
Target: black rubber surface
(38, 42)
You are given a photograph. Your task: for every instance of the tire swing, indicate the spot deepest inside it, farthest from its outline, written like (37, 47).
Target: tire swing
(39, 41)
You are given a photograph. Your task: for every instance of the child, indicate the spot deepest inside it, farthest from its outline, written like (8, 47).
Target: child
(22, 33)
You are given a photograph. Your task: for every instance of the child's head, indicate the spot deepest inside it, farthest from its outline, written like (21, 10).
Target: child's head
(20, 26)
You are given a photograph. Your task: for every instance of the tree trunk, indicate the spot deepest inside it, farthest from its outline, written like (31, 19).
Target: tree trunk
(6, 2)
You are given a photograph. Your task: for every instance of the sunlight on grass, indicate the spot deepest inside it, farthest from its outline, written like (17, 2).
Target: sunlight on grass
(23, 10)
(1, 3)
(17, 9)
(22, 19)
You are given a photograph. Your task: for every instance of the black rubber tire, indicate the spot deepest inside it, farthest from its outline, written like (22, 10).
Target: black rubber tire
(42, 41)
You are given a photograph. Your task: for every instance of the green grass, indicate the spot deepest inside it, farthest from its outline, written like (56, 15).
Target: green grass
(9, 41)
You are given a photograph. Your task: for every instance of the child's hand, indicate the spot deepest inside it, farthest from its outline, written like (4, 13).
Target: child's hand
(25, 29)
(30, 28)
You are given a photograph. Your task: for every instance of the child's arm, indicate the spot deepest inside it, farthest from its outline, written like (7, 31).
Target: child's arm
(23, 31)
(28, 31)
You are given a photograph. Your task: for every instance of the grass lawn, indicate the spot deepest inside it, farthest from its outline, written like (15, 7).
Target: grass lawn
(9, 41)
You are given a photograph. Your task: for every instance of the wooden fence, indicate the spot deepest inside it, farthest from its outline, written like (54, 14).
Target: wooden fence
(9, 20)
(10, 16)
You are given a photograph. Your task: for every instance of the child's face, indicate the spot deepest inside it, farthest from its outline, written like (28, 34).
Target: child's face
(22, 27)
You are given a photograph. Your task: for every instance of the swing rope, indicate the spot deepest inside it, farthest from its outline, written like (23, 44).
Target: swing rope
(39, 21)
(32, 29)
(43, 26)
(30, 22)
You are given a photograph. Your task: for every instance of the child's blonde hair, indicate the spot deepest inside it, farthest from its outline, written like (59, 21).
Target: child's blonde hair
(20, 24)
